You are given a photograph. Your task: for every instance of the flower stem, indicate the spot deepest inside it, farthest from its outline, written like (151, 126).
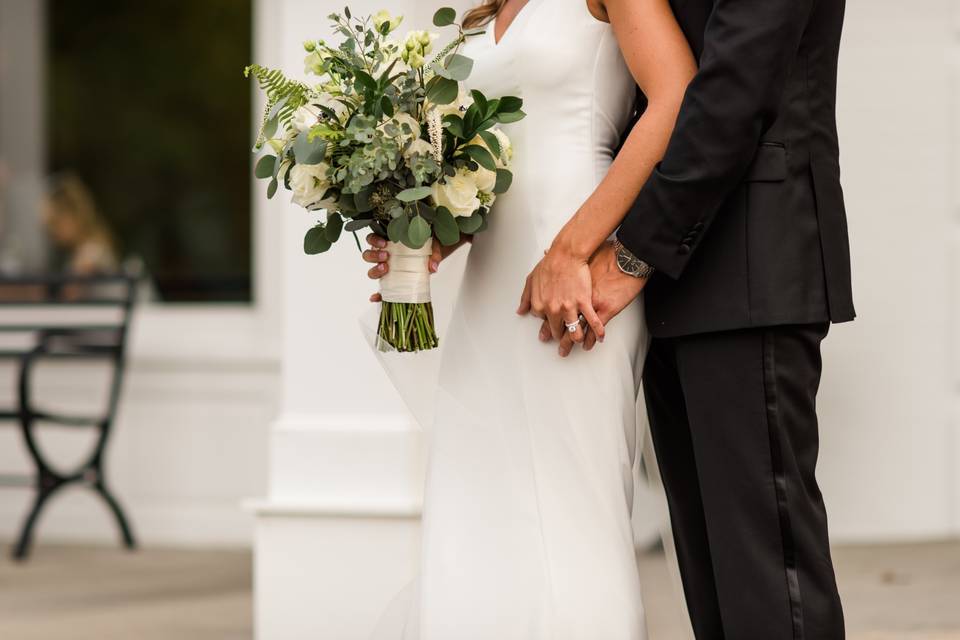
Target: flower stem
(407, 326)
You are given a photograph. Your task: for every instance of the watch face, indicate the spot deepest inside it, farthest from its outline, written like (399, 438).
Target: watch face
(627, 263)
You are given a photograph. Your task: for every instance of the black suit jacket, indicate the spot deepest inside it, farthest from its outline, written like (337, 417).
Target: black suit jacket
(744, 217)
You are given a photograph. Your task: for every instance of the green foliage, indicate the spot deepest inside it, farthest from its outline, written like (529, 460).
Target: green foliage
(375, 131)
(284, 97)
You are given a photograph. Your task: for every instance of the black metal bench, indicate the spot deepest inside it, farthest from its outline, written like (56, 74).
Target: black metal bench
(65, 337)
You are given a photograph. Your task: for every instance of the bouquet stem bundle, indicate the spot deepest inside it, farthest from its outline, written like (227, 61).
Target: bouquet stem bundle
(407, 327)
(406, 317)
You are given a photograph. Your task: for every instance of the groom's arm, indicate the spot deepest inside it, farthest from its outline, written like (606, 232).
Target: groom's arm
(749, 47)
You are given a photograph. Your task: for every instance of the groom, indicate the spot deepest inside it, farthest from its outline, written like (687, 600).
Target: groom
(740, 240)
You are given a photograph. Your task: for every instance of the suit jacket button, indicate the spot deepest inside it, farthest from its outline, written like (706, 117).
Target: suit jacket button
(685, 248)
(698, 226)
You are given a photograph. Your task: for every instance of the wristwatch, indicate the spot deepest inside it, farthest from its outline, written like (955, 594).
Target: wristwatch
(631, 264)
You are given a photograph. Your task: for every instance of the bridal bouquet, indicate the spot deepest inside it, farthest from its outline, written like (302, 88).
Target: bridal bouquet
(388, 139)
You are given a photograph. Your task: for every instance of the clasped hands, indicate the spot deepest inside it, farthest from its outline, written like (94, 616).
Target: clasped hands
(577, 297)
(561, 289)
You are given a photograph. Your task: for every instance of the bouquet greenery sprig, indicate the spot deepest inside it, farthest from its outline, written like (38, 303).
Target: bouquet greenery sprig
(388, 139)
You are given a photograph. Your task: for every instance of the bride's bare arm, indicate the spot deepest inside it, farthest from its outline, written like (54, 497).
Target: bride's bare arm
(561, 285)
(660, 60)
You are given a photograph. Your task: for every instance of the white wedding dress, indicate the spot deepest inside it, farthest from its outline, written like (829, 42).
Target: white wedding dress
(532, 461)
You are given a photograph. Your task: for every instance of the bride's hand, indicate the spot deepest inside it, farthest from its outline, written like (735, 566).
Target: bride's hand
(378, 255)
(560, 290)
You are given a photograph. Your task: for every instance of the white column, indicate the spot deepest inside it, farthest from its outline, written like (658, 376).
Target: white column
(338, 535)
(22, 147)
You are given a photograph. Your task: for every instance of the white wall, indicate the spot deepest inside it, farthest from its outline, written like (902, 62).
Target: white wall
(888, 406)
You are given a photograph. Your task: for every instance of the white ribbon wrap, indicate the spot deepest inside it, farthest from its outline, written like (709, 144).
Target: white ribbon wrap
(409, 277)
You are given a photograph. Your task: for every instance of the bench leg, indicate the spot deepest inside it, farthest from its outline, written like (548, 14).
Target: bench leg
(128, 540)
(45, 489)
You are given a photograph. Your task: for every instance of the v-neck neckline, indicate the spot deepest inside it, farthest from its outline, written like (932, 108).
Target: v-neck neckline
(509, 27)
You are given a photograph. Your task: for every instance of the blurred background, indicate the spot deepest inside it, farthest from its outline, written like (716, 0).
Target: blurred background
(265, 469)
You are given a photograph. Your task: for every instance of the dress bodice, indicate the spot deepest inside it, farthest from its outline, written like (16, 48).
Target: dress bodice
(578, 95)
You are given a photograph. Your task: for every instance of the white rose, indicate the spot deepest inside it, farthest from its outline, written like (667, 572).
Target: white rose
(459, 194)
(486, 180)
(506, 147)
(305, 118)
(309, 183)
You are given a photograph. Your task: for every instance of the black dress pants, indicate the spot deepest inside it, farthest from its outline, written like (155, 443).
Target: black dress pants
(734, 424)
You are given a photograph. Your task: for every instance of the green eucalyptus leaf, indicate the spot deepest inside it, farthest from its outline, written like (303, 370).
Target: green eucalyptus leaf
(481, 156)
(456, 67)
(397, 229)
(264, 167)
(316, 241)
(307, 152)
(356, 225)
(362, 200)
(470, 224)
(442, 90)
(483, 224)
(270, 127)
(445, 226)
(411, 195)
(504, 180)
(418, 232)
(444, 17)
(334, 226)
(272, 188)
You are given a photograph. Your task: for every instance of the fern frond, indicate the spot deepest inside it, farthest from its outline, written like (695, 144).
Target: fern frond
(280, 90)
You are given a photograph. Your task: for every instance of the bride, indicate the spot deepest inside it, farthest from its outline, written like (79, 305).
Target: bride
(527, 508)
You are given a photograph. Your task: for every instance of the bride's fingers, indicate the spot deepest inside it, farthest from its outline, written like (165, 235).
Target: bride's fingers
(576, 335)
(374, 255)
(376, 241)
(376, 298)
(557, 328)
(436, 256)
(378, 271)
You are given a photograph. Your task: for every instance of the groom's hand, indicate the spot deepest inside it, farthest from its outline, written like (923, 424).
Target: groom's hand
(613, 291)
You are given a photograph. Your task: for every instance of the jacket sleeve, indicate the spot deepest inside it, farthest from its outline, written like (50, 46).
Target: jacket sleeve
(749, 48)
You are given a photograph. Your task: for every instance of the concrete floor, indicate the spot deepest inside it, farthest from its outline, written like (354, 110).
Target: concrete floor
(890, 593)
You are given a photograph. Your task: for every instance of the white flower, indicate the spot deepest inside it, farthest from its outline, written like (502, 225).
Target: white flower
(309, 183)
(383, 17)
(506, 147)
(305, 118)
(486, 180)
(417, 47)
(459, 194)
